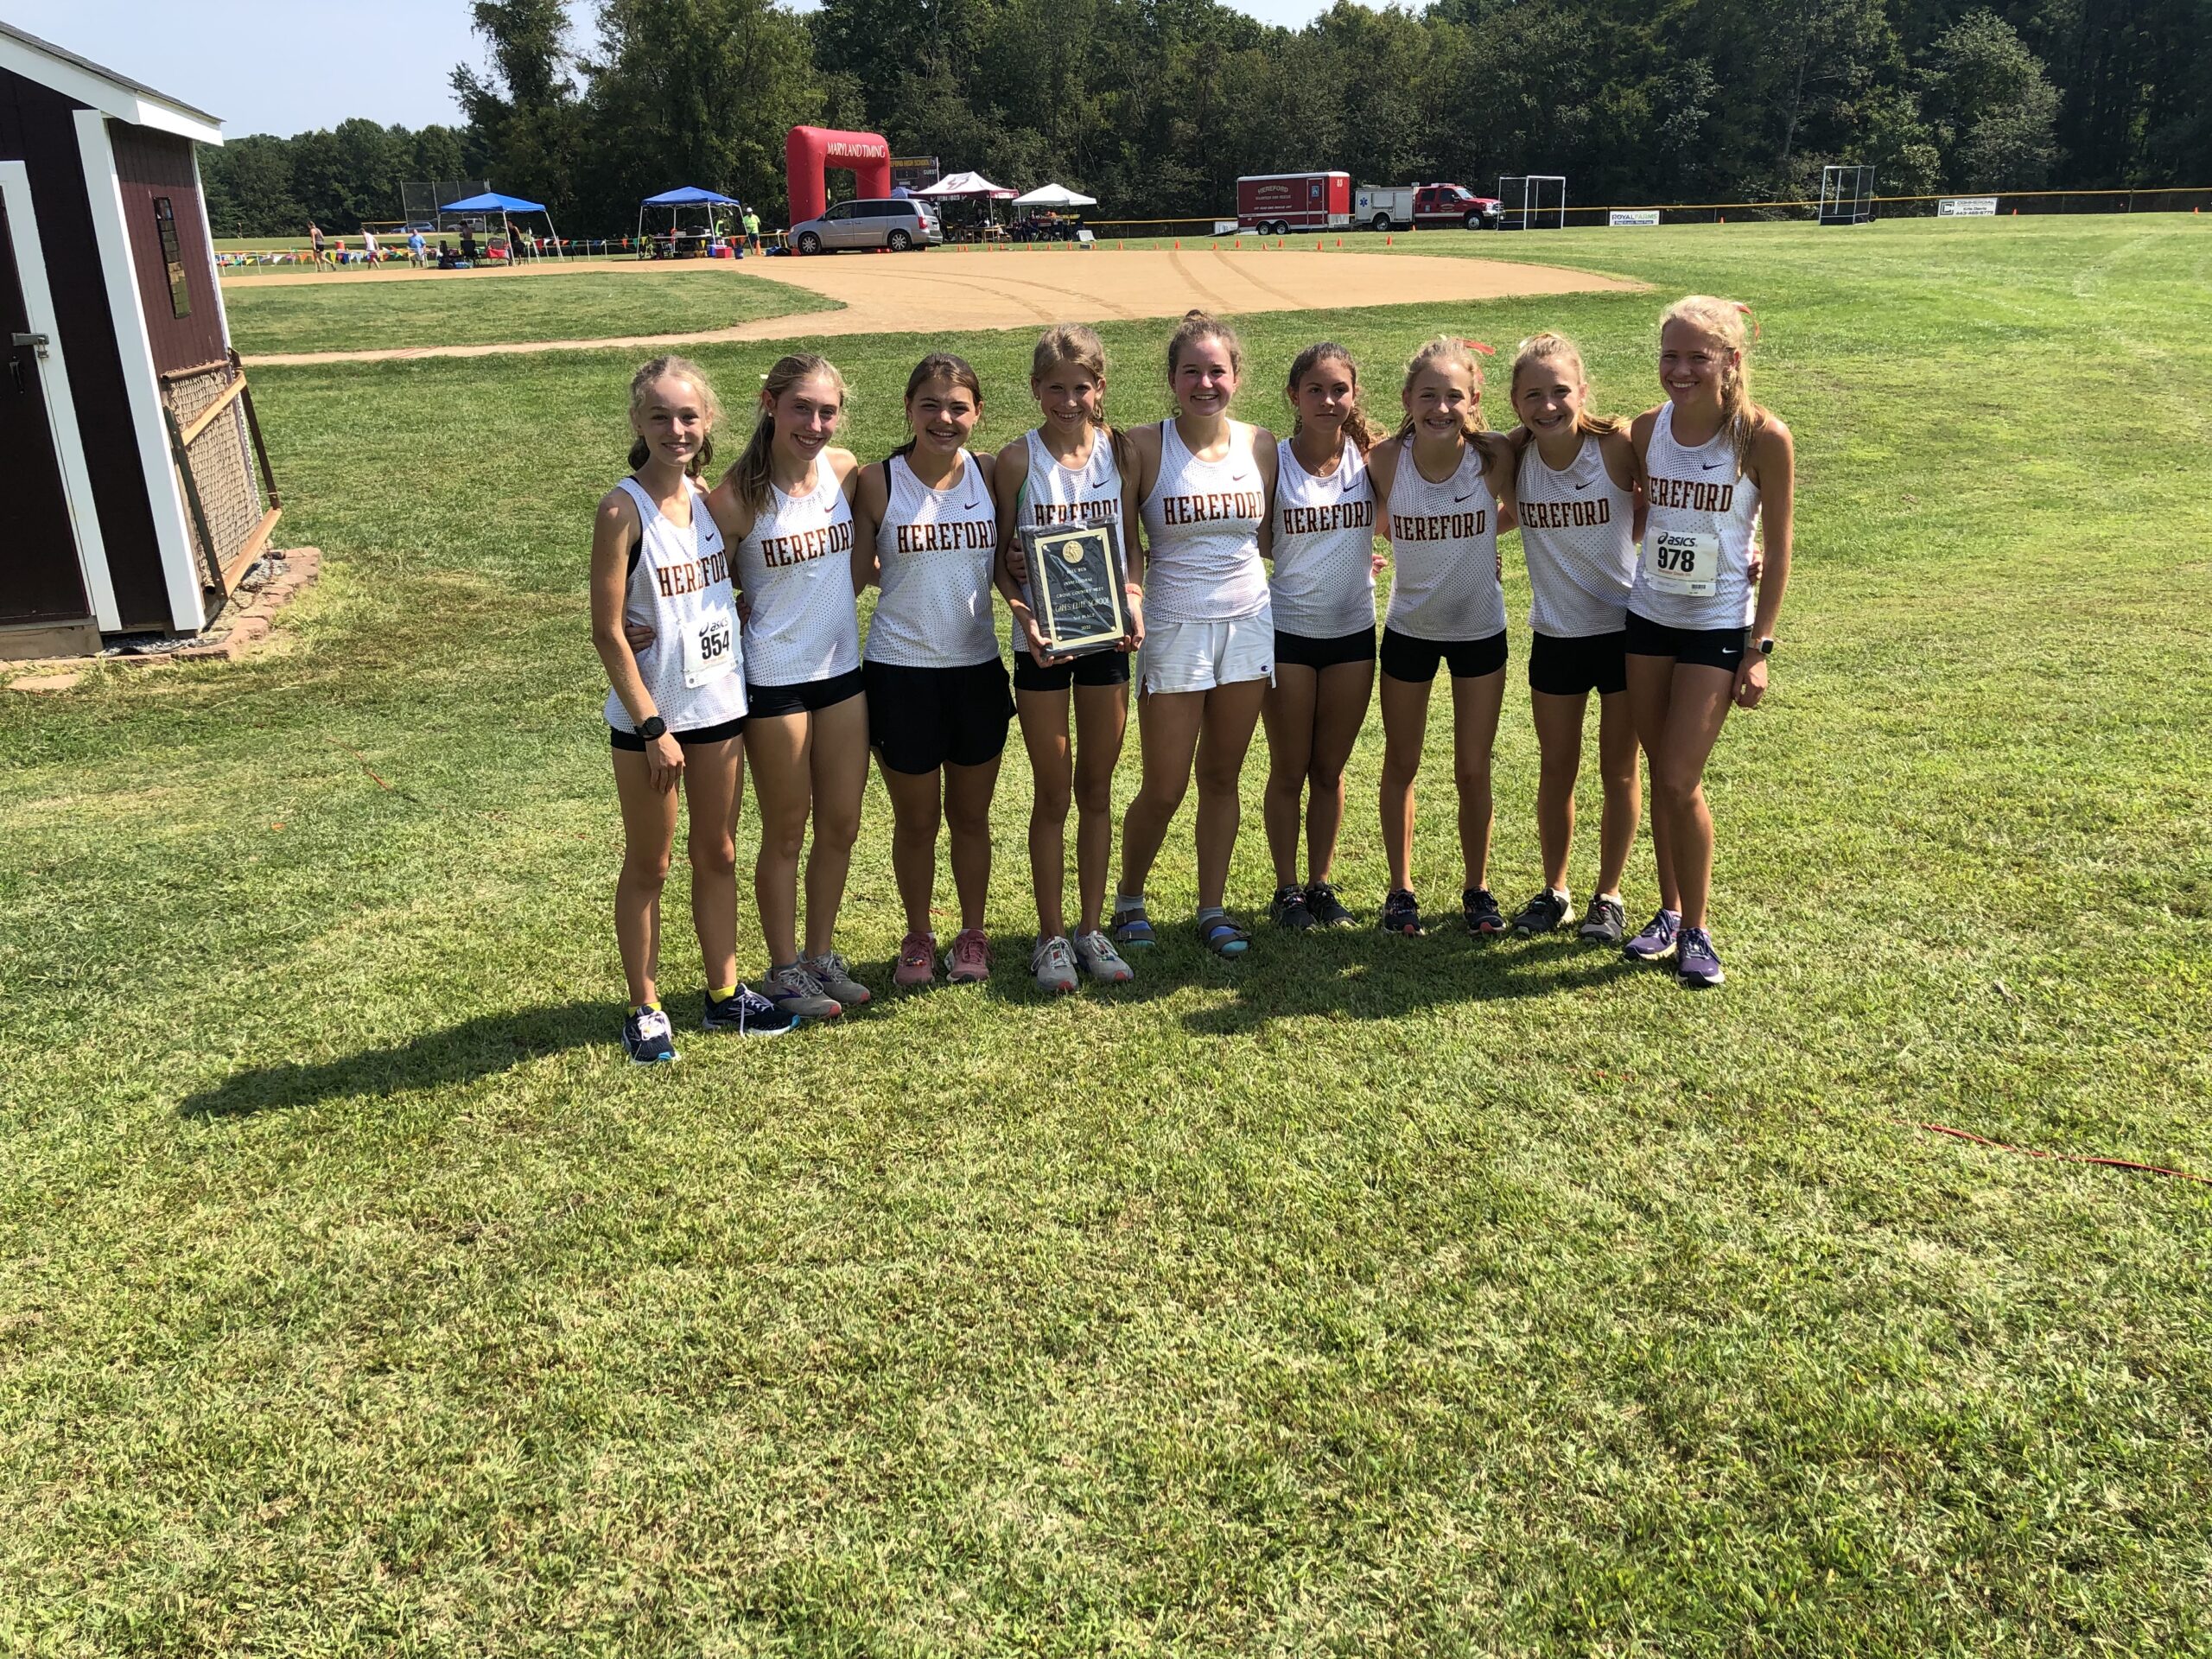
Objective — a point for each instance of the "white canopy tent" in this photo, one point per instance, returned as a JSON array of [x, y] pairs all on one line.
[[965, 184], [1055, 195]]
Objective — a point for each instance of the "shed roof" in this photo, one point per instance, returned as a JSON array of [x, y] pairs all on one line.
[[103, 89]]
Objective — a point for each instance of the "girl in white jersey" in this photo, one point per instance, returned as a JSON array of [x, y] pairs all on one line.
[[1200, 484], [1718, 469], [674, 709], [1322, 595], [927, 532], [1067, 471], [1446, 485], [1580, 506], [786, 508]]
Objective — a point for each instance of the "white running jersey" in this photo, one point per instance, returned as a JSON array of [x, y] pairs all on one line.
[[1324, 545], [1444, 584], [1695, 571], [1577, 532], [1053, 495], [1202, 533], [796, 565], [935, 549], [679, 587]]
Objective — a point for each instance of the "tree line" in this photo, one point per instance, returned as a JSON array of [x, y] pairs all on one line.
[[1156, 106]]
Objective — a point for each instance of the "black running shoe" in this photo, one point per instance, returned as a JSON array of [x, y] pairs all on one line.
[[745, 1010], [1484, 916], [1604, 922], [1288, 909], [645, 1037], [1402, 913], [1328, 910], [1540, 914]]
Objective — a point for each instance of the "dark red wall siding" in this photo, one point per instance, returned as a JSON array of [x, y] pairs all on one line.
[[37, 130], [151, 164]]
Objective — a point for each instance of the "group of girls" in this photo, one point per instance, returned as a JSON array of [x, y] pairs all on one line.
[[727, 620]]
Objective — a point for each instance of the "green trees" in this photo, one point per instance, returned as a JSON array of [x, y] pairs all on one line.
[[1156, 106]]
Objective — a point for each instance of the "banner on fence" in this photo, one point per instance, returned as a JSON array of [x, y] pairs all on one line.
[[1967, 207], [1633, 216]]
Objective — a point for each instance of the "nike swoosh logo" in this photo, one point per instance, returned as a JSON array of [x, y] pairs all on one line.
[[1580, 487], [1708, 466]]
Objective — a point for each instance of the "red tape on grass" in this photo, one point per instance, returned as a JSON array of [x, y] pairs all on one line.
[[2062, 1157]]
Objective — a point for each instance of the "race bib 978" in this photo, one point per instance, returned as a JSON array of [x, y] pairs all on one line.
[[1683, 562], [710, 648]]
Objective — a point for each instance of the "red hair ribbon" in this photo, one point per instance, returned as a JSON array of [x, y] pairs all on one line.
[[1746, 310], [1476, 345]]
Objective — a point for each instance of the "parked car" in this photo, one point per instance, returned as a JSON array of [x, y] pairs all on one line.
[[897, 225]]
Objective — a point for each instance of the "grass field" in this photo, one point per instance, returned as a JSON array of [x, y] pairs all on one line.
[[583, 305], [1369, 1297]]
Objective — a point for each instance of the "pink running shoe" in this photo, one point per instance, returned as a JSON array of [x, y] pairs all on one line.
[[970, 958], [917, 964]]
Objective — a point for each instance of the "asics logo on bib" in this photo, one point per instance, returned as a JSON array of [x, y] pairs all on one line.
[[1438, 526], [1075, 513], [1566, 515], [949, 532], [1693, 494], [1212, 509], [674, 579], [777, 551], [1314, 521]]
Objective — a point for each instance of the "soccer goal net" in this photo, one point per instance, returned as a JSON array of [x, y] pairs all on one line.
[[1532, 201], [1846, 195]]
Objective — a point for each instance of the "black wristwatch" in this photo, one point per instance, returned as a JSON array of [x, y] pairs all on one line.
[[1764, 647], [655, 728]]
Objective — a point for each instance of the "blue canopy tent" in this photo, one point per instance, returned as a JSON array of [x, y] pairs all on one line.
[[493, 202], [690, 195]]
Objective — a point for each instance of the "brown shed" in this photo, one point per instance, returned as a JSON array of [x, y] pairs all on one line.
[[135, 488]]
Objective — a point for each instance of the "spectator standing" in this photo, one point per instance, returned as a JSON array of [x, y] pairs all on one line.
[[314, 240], [418, 248], [752, 231], [370, 251]]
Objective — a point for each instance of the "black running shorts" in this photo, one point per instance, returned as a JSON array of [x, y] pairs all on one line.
[[1573, 668], [1405, 658], [920, 719], [1302, 651], [809, 697], [1093, 668], [1705, 647], [721, 734]]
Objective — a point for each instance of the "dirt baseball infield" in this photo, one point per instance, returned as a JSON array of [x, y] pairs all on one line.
[[957, 289]]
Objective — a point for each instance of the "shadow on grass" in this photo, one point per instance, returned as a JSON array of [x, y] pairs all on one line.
[[475, 1048]]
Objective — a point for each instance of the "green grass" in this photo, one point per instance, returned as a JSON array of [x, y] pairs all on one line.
[[586, 304], [1371, 1297]]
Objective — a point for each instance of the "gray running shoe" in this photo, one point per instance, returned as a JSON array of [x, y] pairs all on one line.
[[1542, 914], [1656, 941], [837, 978], [1604, 922], [795, 991], [1695, 961], [1101, 960], [1053, 965]]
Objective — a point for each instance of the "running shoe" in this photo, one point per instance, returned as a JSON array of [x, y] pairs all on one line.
[[917, 964], [1484, 916], [1101, 960], [1328, 909], [1605, 923], [1656, 941], [796, 991], [1695, 962], [835, 975], [747, 1012], [1053, 965], [969, 961], [645, 1037], [1402, 913], [1542, 913], [1289, 909]]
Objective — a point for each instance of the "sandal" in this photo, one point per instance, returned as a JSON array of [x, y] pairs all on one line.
[[1223, 937], [1132, 928]]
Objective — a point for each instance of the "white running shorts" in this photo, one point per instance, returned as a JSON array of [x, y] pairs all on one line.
[[1200, 655]]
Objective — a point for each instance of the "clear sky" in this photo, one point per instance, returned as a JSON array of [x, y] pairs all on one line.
[[287, 65]]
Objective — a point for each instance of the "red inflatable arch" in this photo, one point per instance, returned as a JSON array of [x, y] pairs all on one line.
[[810, 152]]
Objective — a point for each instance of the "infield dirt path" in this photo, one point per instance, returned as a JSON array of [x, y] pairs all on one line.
[[953, 290]]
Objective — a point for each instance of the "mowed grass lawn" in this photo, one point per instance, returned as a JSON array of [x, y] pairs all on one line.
[[1371, 1296], [460, 308]]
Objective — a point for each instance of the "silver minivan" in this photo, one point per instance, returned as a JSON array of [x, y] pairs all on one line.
[[897, 225]]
